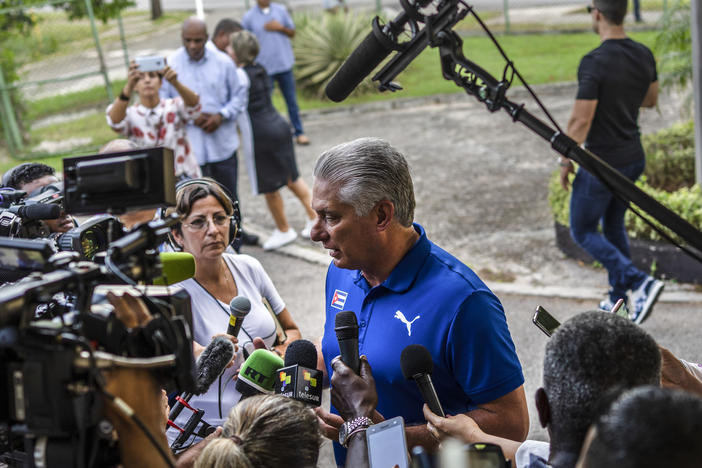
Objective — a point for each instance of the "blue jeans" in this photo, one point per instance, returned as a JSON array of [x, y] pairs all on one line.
[[286, 81], [591, 203]]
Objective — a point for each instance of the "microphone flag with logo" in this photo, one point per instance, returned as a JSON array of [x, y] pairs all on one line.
[[300, 379]]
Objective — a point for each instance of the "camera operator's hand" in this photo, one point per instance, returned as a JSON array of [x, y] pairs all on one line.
[[141, 391], [129, 309]]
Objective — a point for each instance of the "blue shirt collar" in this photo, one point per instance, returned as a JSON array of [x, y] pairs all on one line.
[[405, 272]]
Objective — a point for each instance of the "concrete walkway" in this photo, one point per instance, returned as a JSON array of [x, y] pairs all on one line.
[[480, 182]]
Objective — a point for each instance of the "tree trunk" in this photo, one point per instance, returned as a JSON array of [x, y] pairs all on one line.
[[156, 9]]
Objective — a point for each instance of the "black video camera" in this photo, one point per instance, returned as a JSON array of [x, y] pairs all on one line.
[[55, 337]]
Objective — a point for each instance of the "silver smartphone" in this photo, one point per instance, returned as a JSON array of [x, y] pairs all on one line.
[[545, 321], [150, 63], [387, 446]]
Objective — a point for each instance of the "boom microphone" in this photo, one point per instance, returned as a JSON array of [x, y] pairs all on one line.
[[346, 328], [36, 211], [257, 374], [239, 307], [375, 47], [209, 366], [300, 379], [368, 55], [417, 365]]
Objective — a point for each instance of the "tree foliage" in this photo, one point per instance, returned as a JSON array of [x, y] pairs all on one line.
[[673, 45], [322, 44]]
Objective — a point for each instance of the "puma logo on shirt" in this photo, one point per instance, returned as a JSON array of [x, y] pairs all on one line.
[[401, 317]]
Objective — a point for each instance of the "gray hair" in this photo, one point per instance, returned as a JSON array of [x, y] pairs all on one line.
[[366, 171], [245, 47], [265, 431], [589, 356]]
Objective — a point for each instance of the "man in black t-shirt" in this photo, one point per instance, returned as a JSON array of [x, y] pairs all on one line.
[[614, 81]]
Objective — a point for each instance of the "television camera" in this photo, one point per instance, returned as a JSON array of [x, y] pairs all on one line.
[[56, 330]]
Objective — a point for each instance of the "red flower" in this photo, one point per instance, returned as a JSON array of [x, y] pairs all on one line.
[[162, 133], [151, 136], [181, 141], [180, 159], [170, 118], [136, 131]]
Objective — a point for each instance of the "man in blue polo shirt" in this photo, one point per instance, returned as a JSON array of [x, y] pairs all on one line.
[[406, 290], [273, 27]]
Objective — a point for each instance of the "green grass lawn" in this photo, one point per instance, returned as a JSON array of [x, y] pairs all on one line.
[[548, 58]]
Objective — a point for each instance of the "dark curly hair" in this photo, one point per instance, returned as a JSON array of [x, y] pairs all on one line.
[[20, 175], [589, 355]]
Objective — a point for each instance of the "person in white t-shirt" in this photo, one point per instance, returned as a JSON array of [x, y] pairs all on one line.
[[204, 231]]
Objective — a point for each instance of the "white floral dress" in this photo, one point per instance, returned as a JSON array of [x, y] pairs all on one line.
[[163, 125]]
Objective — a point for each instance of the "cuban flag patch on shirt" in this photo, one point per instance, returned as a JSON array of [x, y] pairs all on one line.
[[339, 299]]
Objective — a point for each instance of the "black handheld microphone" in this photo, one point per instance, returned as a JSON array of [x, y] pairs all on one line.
[[209, 366], [239, 307], [300, 379], [36, 211], [346, 328], [417, 365]]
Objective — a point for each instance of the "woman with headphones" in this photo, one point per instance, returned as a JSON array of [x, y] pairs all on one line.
[[209, 223]]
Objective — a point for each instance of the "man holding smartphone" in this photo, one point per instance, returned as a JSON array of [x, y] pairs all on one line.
[[614, 81]]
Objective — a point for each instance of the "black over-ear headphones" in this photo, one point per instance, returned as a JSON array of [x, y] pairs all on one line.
[[234, 229]]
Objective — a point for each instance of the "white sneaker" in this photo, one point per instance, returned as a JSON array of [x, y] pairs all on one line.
[[279, 239], [644, 298], [307, 231]]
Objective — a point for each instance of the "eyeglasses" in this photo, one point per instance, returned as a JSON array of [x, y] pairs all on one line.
[[200, 223], [589, 8]]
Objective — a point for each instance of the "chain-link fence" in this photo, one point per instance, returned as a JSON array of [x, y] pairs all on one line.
[[56, 66]]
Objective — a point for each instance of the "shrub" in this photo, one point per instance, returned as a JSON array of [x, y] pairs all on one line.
[[668, 178], [321, 45], [670, 157]]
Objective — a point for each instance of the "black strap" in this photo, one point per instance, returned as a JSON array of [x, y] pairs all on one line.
[[222, 307]]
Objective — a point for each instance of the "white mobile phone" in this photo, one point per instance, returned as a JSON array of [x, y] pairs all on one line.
[[387, 446], [150, 63]]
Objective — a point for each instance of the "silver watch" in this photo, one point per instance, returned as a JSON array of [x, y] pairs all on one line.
[[350, 427]]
